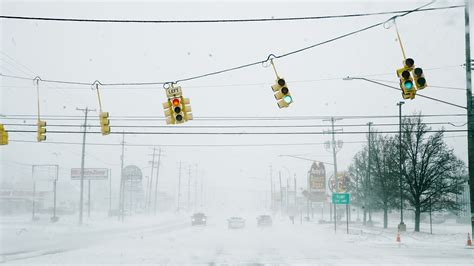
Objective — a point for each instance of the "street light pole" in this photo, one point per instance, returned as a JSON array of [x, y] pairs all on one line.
[[401, 226]]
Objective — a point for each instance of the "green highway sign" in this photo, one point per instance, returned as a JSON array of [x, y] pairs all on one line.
[[340, 198]]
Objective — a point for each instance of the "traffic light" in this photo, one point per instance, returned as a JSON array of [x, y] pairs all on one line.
[[406, 80], [104, 123], [420, 80], [282, 94], [187, 109], [167, 109], [177, 110], [3, 135], [41, 132]]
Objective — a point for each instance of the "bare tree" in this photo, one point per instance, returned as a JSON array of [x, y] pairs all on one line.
[[432, 173], [385, 172]]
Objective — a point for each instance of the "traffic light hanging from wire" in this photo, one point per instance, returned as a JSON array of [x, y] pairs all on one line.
[[282, 93], [177, 109], [411, 79], [3, 135], [41, 131], [104, 123]]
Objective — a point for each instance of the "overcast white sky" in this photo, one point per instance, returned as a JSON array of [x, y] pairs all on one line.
[[113, 53]]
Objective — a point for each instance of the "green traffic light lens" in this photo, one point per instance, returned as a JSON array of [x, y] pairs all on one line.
[[408, 84], [288, 99], [421, 81]]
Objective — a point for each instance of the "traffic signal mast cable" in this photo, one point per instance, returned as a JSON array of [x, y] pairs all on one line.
[[270, 57], [395, 88]]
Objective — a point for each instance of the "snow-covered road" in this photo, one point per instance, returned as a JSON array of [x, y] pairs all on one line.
[[306, 243]]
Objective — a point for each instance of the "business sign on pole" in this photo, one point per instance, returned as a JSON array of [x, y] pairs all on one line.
[[316, 183], [317, 177], [342, 180], [132, 172], [90, 173]]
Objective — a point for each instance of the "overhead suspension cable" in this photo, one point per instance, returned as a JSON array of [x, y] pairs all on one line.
[[270, 57], [223, 20]]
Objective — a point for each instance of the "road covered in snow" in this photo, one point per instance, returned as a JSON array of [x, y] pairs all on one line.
[[173, 240]]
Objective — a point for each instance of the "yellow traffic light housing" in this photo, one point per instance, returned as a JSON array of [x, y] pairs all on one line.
[[3, 135], [104, 123], [420, 81], [187, 109], [282, 93], [177, 108], [41, 132], [406, 79]]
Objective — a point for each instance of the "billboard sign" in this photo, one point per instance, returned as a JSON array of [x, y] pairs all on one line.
[[90, 173], [317, 177], [132, 172]]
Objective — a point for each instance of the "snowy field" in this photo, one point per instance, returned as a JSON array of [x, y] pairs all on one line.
[[170, 239]]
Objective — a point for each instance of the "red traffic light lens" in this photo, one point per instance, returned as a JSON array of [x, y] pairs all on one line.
[[175, 102]]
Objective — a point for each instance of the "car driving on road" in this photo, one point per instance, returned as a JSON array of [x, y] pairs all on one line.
[[236, 222], [264, 220], [198, 218]]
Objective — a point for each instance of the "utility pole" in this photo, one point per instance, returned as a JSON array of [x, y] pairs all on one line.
[[156, 180], [195, 188], [333, 145], [401, 227], [470, 114], [122, 185], [179, 185], [54, 218], [189, 188], [81, 198], [271, 187], [110, 190], [151, 180], [202, 189], [281, 194], [368, 183]]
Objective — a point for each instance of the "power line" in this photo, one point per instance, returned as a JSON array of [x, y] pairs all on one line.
[[115, 126], [270, 57], [225, 20], [228, 133], [340, 77], [221, 118], [398, 89], [200, 145]]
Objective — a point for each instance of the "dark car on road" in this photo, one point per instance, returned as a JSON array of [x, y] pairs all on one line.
[[264, 220], [198, 218]]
